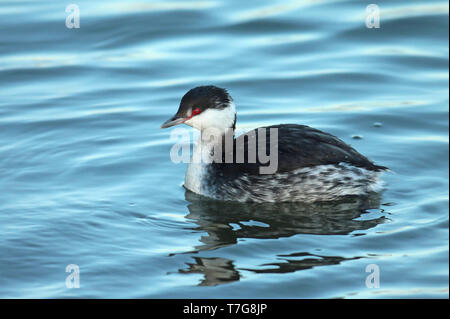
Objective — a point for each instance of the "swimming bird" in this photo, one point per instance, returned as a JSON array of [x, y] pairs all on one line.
[[304, 163]]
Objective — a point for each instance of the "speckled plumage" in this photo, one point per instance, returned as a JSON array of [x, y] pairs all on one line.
[[307, 184]]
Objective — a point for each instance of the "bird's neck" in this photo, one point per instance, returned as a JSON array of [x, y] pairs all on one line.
[[208, 149], [211, 145]]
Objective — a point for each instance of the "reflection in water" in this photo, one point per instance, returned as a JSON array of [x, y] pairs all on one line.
[[227, 222], [216, 270], [291, 265]]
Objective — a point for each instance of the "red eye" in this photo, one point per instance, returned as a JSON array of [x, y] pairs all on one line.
[[196, 111]]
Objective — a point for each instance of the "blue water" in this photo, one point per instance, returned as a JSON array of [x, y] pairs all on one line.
[[85, 172]]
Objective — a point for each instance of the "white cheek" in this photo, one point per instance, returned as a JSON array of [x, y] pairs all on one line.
[[203, 120], [213, 118]]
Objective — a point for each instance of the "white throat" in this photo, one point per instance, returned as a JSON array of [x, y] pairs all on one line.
[[198, 165], [214, 124]]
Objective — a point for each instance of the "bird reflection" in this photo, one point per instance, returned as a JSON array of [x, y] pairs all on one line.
[[227, 222], [215, 270]]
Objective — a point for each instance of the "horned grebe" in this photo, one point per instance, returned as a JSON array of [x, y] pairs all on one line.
[[311, 165]]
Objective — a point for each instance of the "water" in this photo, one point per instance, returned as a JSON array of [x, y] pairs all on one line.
[[86, 177]]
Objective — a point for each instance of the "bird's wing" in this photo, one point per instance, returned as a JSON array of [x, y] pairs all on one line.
[[298, 146]]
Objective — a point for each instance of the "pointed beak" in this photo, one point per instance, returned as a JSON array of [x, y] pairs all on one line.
[[173, 121]]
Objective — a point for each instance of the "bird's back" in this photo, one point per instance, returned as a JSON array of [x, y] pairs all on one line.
[[298, 146]]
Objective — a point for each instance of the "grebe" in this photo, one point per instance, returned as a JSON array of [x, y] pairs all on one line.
[[311, 165]]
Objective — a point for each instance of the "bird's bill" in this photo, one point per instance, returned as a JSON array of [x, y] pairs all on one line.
[[173, 121]]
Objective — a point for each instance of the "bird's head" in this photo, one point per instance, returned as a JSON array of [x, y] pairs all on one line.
[[205, 107]]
